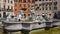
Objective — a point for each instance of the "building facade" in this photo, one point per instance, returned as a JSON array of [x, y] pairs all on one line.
[[57, 11], [8, 7], [58, 5], [45, 6], [37, 7], [23, 7], [29, 7], [1, 8]]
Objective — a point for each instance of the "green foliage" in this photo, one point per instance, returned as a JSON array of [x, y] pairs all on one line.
[[51, 31]]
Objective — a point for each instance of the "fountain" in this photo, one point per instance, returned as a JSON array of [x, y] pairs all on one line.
[[13, 24]]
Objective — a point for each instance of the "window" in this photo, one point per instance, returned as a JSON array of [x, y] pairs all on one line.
[[24, 0], [0, 9], [55, 3], [11, 2], [33, 1], [50, 4], [43, 4], [0, 15], [37, 8], [46, 8], [24, 9], [4, 7], [8, 7], [39, 0], [49, 0], [20, 0], [15, 9], [32, 5], [28, 14], [28, 5], [42, 8], [12, 7], [46, 0], [0, 5], [36, 0], [24, 5], [39, 4], [20, 5], [28, 0], [8, 1], [55, 8], [42, 0], [15, 0], [47, 4], [49, 8], [4, 0], [35, 4]]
